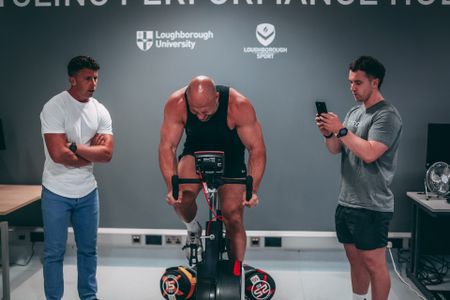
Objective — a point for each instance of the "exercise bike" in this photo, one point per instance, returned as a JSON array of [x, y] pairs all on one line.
[[215, 277]]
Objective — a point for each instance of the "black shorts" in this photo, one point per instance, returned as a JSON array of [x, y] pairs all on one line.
[[234, 167], [366, 229]]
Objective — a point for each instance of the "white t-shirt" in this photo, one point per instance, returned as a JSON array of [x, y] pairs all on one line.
[[80, 122]]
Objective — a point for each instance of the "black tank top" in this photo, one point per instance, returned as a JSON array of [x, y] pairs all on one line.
[[215, 135]]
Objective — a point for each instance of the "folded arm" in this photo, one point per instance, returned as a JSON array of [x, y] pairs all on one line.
[[100, 149], [60, 153]]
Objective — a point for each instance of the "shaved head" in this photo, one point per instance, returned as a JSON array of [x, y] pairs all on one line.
[[203, 97], [201, 91]]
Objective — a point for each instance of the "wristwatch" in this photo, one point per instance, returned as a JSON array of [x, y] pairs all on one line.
[[342, 132], [73, 147], [328, 136]]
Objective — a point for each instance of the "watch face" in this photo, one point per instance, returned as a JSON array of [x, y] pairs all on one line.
[[73, 147], [342, 132]]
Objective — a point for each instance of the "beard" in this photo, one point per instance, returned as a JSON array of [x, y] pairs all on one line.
[[362, 98]]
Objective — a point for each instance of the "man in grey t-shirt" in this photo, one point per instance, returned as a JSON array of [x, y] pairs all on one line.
[[368, 141]]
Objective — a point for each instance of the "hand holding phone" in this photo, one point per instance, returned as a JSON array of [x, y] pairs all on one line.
[[321, 107]]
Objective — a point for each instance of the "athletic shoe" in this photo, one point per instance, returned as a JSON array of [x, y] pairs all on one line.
[[193, 248]]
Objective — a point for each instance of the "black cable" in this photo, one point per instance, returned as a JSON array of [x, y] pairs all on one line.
[[29, 258], [432, 269], [27, 261]]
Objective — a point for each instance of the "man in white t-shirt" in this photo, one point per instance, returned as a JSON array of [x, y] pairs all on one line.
[[77, 132]]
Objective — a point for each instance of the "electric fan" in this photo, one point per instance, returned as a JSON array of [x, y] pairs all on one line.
[[437, 179]]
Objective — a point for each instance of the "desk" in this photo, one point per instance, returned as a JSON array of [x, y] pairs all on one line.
[[12, 198], [429, 234]]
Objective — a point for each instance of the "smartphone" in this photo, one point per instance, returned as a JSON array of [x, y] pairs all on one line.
[[321, 107]]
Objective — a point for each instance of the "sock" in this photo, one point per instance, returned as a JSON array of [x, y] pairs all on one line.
[[360, 297], [192, 226]]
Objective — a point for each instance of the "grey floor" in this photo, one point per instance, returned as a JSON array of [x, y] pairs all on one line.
[[134, 273]]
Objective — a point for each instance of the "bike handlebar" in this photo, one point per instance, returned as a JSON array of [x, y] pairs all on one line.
[[248, 181]]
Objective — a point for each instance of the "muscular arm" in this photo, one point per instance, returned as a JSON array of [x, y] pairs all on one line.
[[170, 135], [100, 149], [60, 153], [250, 133], [369, 151]]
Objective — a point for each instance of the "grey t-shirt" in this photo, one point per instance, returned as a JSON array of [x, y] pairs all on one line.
[[366, 185]]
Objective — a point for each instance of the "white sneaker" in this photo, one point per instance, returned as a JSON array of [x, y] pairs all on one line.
[[194, 248]]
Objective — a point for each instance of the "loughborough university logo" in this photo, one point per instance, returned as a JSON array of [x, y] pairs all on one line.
[[144, 39], [265, 35], [178, 39]]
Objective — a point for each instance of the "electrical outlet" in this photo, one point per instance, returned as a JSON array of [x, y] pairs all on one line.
[[255, 241], [173, 240], [135, 239]]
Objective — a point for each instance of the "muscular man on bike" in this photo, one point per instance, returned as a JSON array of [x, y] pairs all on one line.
[[219, 118]]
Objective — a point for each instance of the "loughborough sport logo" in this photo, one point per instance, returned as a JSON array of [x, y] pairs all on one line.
[[265, 34]]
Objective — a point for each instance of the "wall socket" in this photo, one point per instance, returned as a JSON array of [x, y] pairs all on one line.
[[135, 239], [173, 239], [255, 241]]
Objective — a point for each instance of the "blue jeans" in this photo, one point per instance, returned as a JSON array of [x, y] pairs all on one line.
[[83, 213]]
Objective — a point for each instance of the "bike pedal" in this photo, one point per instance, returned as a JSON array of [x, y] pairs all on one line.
[[237, 268]]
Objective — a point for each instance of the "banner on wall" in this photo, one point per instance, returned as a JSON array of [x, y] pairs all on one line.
[[67, 3], [265, 34]]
